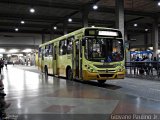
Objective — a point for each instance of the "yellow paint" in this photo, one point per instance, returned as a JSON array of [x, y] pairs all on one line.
[[62, 61], [95, 76]]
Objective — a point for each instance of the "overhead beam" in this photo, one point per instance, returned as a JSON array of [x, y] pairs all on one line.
[[127, 12], [30, 31], [37, 18], [58, 31], [50, 20], [66, 17], [133, 20], [7, 46], [75, 7], [42, 4], [32, 25], [47, 19]]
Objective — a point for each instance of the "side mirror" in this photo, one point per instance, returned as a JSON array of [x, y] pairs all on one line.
[[83, 42]]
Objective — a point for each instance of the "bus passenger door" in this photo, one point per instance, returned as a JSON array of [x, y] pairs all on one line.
[[54, 60], [50, 61], [76, 59], [42, 60]]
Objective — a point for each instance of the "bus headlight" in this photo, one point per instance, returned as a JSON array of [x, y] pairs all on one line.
[[120, 70], [90, 68]]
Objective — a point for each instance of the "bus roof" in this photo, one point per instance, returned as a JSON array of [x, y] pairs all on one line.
[[74, 33]]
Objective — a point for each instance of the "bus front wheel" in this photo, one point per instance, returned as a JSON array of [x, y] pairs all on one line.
[[69, 74], [101, 81]]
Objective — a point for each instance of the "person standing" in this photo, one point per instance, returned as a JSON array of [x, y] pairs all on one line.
[[137, 59], [1, 65], [5, 63]]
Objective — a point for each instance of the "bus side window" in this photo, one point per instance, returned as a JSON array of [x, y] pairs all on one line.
[[63, 47], [69, 45], [50, 51], [46, 50], [39, 52]]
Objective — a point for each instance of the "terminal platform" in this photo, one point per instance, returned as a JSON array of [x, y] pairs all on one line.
[[36, 97]]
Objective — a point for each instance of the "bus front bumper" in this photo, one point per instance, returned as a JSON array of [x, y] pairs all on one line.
[[103, 76]]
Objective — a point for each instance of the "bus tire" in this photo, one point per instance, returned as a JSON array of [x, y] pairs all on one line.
[[46, 71], [101, 81], [69, 74]]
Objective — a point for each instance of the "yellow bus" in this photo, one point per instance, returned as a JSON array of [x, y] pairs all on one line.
[[85, 54]]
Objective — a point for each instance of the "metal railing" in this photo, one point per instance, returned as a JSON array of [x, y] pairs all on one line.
[[143, 70]]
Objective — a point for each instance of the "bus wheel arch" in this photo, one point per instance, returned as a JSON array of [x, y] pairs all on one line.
[[69, 73]]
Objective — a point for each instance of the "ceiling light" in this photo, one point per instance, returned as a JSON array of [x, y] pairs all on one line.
[[95, 7], [9, 55], [135, 25], [158, 3], [13, 51], [22, 22], [55, 28], [70, 20], [20, 55], [2, 50], [146, 30], [32, 10], [27, 50], [151, 48], [16, 29], [92, 26]]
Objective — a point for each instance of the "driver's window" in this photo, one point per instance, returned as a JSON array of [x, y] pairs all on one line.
[[96, 50]]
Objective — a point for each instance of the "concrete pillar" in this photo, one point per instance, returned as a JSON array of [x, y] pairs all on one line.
[[120, 15], [65, 23], [146, 40], [43, 38], [125, 35], [85, 13], [51, 33], [155, 37]]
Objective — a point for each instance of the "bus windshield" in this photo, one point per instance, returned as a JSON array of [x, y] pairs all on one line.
[[104, 49]]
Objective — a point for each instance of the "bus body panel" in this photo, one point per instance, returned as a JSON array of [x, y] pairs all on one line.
[[81, 67], [64, 61], [48, 62]]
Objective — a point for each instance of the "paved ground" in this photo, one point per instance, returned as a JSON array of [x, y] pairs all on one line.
[[147, 89], [35, 97], [142, 88], [28, 68]]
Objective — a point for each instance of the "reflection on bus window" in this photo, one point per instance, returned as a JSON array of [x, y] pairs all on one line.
[[109, 50], [63, 47], [50, 50], [69, 45], [46, 50]]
